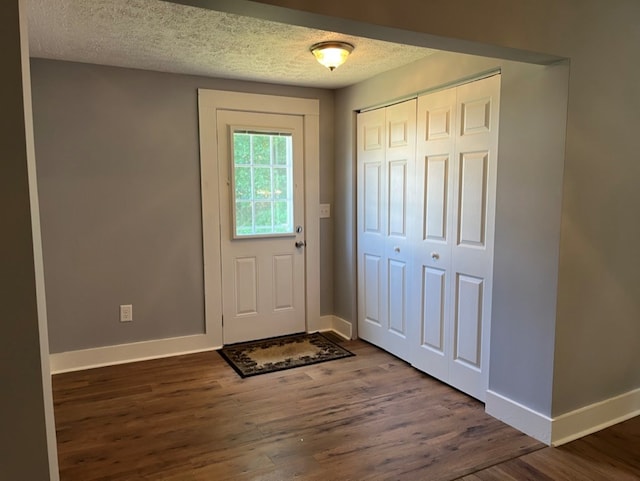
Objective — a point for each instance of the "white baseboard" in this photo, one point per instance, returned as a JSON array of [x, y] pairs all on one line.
[[141, 351], [338, 325], [519, 416], [123, 353], [589, 419], [566, 427]]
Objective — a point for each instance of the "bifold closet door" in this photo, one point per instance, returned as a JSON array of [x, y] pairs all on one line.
[[385, 200], [426, 212], [431, 312], [456, 165]]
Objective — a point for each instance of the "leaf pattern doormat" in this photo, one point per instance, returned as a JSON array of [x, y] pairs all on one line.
[[280, 353]]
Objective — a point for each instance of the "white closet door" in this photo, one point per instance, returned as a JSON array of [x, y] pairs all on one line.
[[386, 169], [474, 198], [426, 215], [456, 151], [431, 272]]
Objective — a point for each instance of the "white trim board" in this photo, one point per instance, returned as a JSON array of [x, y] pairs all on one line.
[[142, 351], [519, 416], [124, 353], [566, 427], [595, 417], [338, 325]]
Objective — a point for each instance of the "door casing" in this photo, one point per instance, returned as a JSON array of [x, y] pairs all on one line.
[[209, 102]]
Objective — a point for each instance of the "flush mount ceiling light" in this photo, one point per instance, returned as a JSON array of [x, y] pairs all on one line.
[[331, 54]]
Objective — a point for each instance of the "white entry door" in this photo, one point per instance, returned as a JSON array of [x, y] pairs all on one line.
[[261, 224], [386, 168], [453, 276]]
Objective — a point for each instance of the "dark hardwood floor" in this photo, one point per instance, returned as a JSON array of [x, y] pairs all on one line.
[[612, 454], [368, 417]]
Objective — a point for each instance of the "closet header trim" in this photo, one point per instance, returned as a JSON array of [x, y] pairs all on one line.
[[455, 83]]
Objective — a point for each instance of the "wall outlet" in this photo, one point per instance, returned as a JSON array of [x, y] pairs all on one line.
[[126, 313], [325, 211]]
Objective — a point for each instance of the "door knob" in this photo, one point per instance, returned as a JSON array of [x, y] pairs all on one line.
[[300, 244], [435, 256], [396, 249]]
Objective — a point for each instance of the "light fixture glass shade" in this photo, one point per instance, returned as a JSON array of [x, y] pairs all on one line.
[[331, 54]]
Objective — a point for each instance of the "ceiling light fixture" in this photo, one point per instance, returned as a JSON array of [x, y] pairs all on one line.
[[331, 54]]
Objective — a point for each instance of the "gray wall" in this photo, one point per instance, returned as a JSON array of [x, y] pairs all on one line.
[[533, 106], [597, 348], [119, 182], [26, 393], [530, 163]]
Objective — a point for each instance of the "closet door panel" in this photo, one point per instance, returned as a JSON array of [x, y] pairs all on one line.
[[472, 207], [433, 239], [398, 190], [385, 177], [397, 297], [400, 164], [436, 168], [430, 352], [371, 224], [476, 148], [372, 197], [468, 321], [372, 289]]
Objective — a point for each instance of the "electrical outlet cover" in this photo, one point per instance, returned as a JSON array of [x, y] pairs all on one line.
[[126, 313], [325, 211]]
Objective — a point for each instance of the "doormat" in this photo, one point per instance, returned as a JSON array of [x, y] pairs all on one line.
[[280, 353]]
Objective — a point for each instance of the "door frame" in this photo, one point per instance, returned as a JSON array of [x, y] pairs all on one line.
[[209, 102]]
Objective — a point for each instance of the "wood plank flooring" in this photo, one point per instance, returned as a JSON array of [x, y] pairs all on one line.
[[612, 454], [368, 417]]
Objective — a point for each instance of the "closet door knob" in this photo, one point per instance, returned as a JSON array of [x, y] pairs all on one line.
[[396, 249], [435, 256]]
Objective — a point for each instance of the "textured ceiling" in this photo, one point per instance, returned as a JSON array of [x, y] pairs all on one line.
[[168, 37]]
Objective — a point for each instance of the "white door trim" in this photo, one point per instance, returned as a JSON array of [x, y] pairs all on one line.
[[209, 101]]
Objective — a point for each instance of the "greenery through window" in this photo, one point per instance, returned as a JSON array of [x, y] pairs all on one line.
[[262, 183]]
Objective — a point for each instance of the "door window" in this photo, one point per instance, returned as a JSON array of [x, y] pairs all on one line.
[[262, 177]]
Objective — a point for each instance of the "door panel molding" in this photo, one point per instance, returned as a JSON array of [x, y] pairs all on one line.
[[245, 286], [209, 102]]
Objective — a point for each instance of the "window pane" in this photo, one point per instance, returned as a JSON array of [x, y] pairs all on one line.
[[264, 217], [261, 149], [244, 218], [243, 183], [282, 216], [262, 183], [280, 148], [280, 185], [241, 148]]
